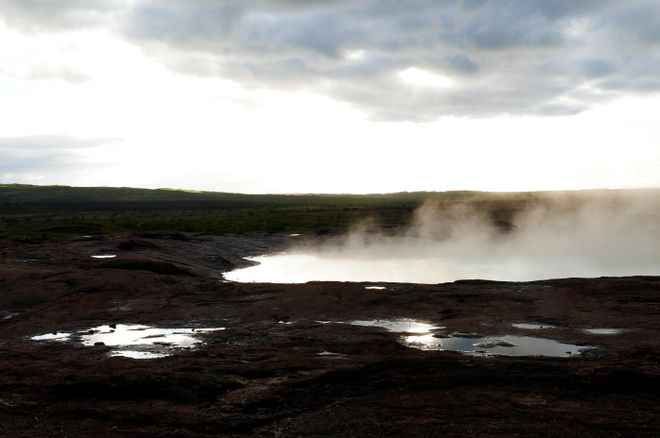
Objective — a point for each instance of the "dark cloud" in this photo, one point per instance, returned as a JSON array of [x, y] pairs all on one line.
[[517, 56], [39, 15]]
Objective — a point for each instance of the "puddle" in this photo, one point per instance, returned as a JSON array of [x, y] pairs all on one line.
[[331, 355], [398, 325], [294, 235], [9, 315], [422, 335], [134, 354], [104, 256], [532, 326], [603, 331], [140, 335], [375, 287], [52, 337], [133, 340], [507, 345]]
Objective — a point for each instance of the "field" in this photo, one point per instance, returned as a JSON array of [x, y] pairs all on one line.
[[288, 361], [44, 212]]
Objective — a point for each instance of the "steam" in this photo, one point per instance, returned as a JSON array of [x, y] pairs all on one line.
[[505, 237], [550, 236]]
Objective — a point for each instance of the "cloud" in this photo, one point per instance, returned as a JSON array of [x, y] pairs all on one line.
[[32, 155], [55, 72], [41, 15], [543, 57]]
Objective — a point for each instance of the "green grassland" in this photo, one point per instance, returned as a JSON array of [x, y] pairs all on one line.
[[61, 211]]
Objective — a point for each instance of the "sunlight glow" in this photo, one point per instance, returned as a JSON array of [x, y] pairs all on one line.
[[167, 129], [423, 78]]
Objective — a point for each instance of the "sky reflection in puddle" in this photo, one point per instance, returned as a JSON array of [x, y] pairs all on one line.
[[603, 331], [133, 340], [398, 325], [135, 354], [419, 334], [52, 337], [507, 345], [532, 326], [104, 256]]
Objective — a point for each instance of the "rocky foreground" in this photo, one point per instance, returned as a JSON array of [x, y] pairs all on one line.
[[284, 365]]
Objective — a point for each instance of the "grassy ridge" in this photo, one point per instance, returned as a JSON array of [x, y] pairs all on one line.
[[52, 211], [58, 197], [55, 211]]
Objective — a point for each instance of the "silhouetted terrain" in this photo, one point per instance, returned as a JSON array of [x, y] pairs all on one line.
[[51, 211], [287, 362]]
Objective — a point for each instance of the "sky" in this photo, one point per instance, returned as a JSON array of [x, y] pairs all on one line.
[[331, 96]]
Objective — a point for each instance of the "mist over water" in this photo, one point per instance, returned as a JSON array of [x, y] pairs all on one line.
[[557, 236]]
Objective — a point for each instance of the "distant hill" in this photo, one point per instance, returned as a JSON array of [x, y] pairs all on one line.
[[53, 211], [63, 196]]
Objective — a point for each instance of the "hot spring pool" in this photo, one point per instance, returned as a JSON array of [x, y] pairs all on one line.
[[301, 267]]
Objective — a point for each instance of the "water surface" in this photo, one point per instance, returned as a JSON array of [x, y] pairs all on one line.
[[134, 341], [426, 336], [423, 266], [506, 345], [603, 331], [532, 326]]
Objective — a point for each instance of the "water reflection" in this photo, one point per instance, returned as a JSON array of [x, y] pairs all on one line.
[[393, 261], [603, 331], [398, 325], [532, 326], [507, 345], [126, 335], [52, 337], [134, 354], [104, 256], [133, 340], [426, 336]]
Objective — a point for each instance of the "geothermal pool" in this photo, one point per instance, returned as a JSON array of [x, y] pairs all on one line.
[[301, 267]]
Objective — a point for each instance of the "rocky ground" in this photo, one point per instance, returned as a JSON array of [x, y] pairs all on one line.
[[280, 369]]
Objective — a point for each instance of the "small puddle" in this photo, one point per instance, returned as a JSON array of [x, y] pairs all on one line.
[[425, 336], [141, 335], [133, 340], [375, 287], [532, 326], [398, 325], [104, 256], [58, 336], [603, 331], [507, 345], [331, 355], [8, 315], [134, 354]]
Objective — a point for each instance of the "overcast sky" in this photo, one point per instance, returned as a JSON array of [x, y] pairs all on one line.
[[331, 95]]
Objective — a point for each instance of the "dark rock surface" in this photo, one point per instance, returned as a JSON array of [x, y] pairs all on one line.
[[260, 377]]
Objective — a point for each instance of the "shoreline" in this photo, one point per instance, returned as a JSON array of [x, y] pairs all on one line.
[[270, 371]]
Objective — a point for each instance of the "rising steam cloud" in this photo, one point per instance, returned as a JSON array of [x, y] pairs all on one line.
[[514, 238], [554, 236]]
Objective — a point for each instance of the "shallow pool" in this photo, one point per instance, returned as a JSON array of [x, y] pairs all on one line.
[[427, 336], [134, 341], [428, 267]]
